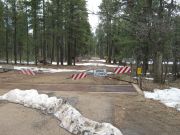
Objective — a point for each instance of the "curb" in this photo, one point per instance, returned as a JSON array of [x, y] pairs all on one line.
[[136, 87]]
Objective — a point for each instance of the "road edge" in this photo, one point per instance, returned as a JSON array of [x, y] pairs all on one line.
[[136, 87]]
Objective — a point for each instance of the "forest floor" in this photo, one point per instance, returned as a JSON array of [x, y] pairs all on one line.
[[127, 110]]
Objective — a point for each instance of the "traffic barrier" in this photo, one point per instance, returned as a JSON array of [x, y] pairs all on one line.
[[27, 72], [79, 76], [122, 70], [100, 72]]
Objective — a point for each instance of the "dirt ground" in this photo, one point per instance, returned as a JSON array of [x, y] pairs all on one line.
[[20, 120], [55, 78], [131, 113]]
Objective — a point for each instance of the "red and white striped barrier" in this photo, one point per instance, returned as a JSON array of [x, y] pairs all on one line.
[[27, 72], [122, 70], [79, 76]]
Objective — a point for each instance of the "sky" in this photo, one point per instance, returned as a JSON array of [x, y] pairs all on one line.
[[93, 6]]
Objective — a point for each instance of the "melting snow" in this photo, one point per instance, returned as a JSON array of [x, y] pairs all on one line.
[[91, 63], [47, 70], [169, 97], [70, 118], [151, 79], [96, 64], [12, 61], [100, 60]]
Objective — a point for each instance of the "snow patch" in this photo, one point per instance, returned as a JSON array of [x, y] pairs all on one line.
[[70, 118], [100, 63], [100, 60], [150, 79], [47, 70], [96, 64], [18, 62], [169, 97]]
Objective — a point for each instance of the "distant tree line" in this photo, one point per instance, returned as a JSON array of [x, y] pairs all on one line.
[[141, 29], [44, 30]]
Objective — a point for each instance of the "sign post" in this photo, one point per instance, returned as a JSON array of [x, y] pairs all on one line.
[[139, 73]]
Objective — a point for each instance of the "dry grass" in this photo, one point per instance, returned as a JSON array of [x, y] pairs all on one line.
[[150, 85]]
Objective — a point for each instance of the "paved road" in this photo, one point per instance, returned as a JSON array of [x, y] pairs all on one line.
[[71, 87]]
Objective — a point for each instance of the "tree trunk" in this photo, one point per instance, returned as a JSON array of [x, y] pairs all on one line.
[[69, 49], [145, 59], [158, 67], [7, 41], [62, 51], [20, 52], [164, 74], [70, 35], [15, 31], [109, 39], [74, 57], [44, 39], [57, 49], [7, 36], [35, 31], [27, 36], [53, 46], [175, 71], [101, 50], [158, 54]]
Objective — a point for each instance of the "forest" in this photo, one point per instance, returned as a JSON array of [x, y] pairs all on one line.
[[41, 30], [59, 30], [143, 30]]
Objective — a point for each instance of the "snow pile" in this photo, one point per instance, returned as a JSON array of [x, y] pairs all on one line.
[[50, 70], [150, 79], [18, 62], [69, 117], [169, 97], [98, 60], [96, 64], [47, 70], [99, 63], [31, 98]]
